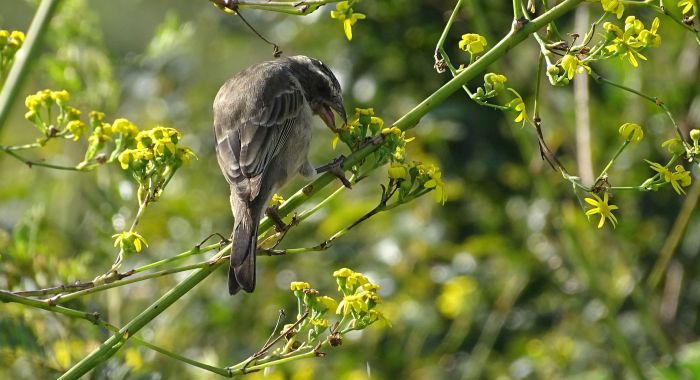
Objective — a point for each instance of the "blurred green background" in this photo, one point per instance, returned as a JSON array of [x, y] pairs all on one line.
[[507, 280]]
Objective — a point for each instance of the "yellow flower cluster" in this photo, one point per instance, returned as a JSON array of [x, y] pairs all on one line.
[[628, 43], [39, 111], [359, 298], [678, 179], [344, 13], [156, 143], [10, 43], [397, 138], [434, 182], [356, 309]]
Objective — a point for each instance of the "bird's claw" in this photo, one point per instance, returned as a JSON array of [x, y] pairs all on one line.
[[276, 219], [336, 168]]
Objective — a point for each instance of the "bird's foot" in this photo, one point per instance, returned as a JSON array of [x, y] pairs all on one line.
[[336, 168], [280, 225]]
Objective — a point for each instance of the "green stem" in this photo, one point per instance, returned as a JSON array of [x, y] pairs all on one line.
[[272, 363], [206, 367], [652, 99], [518, 10], [95, 319], [21, 147], [30, 164], [408, 121], [192, 252], [303, 215], [612, 160], [69, 297], [116, 341], [24, 56], [288, 7], [6, 296]]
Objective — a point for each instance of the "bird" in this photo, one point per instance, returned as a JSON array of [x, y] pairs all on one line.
[[263, 125]]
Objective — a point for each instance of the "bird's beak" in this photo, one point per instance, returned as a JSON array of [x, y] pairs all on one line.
[[326, 114]]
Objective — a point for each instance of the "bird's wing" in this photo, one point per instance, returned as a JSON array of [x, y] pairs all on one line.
[[246, 150]]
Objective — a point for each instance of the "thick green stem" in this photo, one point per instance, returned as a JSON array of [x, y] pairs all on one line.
[[24, 56], [115, 342], [409, 120]]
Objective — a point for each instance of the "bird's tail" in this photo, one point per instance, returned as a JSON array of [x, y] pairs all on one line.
[[241, 272]]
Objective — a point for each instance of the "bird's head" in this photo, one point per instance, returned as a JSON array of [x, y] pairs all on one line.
[[322, 89]]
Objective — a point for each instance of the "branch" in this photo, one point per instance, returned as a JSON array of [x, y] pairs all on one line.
[[11, 151], [408, 121], [303, 7]]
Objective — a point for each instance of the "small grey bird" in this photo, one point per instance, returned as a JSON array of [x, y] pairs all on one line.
[[262, 123]]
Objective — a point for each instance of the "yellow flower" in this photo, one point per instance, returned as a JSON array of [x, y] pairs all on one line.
[[17, 36], [601, 206], [364, 111], [377, 121], [343, 273], [144, 140], [322, 323], [77, 128], [355, 302], [494, 82], [435, 182], [674, 146], [631, 132], [347, 16], [633, 24], [679, 179], [125, 158], [613, 6], [398, 170], [688, 5], [129, 241], [299, 285], [72, 113], [372, 288], [327, 303], [165, 135], [161, 147], [125, 127], [61, 97], [572, 65], [473, 43], [662, 170], [613, 29], [628, 44], [185, 155], [649, 36], [276, 200], [518, 106], [356, 279], [33, 102]]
